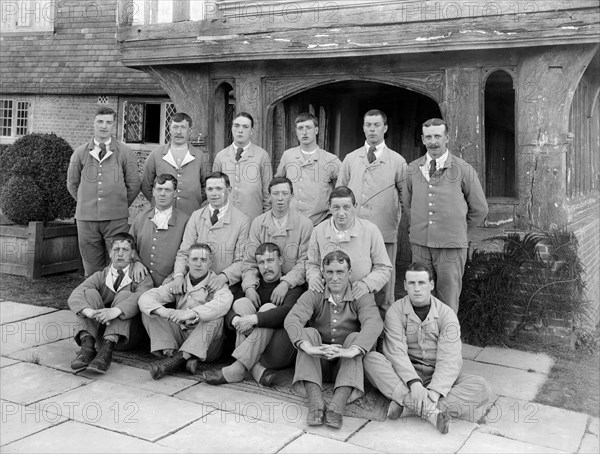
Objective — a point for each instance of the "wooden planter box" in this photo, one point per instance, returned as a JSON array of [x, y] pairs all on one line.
[[35, 251]]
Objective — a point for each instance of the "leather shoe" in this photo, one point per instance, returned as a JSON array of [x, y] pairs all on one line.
[[162, 367], [85, 355], [394, 410], [192, 365], [102, 361], [214, 377], [268, 378], [315, 417], [333, 419]]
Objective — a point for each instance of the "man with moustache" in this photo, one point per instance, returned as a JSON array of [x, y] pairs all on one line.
[[420, 367], [312, 170], [376, 175], [103, 177], [443, 199], [248, 167], [180, 159], [262, 345]]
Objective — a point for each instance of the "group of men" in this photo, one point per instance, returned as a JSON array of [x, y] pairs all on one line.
[[296, 267]]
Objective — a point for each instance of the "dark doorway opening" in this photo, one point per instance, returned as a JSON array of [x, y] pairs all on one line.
[[340, 108]]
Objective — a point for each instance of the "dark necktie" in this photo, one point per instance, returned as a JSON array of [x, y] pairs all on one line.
[[215, 216], [120, 276], [102, 151], [432, 168], [238, 155], [371, 154]]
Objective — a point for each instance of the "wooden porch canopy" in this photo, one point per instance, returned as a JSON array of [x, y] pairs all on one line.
[[238, 31]]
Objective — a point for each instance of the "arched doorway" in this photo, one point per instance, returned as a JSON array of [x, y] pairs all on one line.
[[224, 110], [340, 107]]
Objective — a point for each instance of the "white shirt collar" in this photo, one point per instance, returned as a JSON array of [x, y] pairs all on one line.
[[378, 149], [222, 210], [112, 277], [439, 162], [161, 218], [171, 159]]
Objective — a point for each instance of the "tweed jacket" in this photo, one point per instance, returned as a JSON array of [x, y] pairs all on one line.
[[158, 248], [207, 305], [313, 180], [103, 190], [190, 177], [377, 187], [293, 243], [227, 239], [422, 349], [335, 322], [365, 247], [249, 178], [442, 209], [125, 299]]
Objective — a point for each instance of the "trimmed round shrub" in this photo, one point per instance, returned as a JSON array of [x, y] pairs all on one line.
[[33, 179]]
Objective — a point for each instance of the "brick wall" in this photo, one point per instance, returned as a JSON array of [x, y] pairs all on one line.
[[585, 223]]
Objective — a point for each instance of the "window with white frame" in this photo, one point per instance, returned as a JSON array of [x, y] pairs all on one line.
[[14, 118], [147, 121], [24, 16]]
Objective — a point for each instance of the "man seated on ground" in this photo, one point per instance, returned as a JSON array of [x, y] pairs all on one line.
[[422, 357], [158, 231], [192, 331], [262, 344], [106, 305], [332, 330]]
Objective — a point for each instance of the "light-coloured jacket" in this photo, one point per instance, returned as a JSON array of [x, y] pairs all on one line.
[[249, 178], [428, 348], [190, 177], [377, 187], [209, 306], [103, 190], [313, 180], [442, 209], [227, 240], [365, 247]]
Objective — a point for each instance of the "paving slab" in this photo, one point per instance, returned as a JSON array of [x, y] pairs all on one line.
[[126, 409], [507, 381], [314, 443], [12, 312], [266, 409], [57, 355], [536, 423], [230, 432], [470, 351], [19, 422], [589, 445], [483, 443], [594, 425], [405, 434], [40, 330], [26, 383], [5, 361], [134, 376], [538, 362], [75, 437]]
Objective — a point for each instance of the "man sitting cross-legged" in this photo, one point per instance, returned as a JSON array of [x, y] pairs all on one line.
[[106, 304], [332, 331], [193, 330], [422, 357], [261, 344]]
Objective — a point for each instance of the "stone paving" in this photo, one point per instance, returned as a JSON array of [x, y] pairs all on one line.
[[48, 408]]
